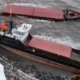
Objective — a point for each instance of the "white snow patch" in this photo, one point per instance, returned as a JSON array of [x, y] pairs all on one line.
[[26, 76], [2, 75]]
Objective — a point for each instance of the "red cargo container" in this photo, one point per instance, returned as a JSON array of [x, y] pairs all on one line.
[[43, 13], [19, 10], [51, 47], [48, 13]]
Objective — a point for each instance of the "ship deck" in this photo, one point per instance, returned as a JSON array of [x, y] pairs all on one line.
[[51, 47], [34, 12], [48, 13], [19, 10]]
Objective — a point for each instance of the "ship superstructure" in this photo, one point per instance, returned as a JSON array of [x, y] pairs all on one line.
[[20, 32]]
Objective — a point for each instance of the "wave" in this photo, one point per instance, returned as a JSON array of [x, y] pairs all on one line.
[[72, 3], [32, 19]]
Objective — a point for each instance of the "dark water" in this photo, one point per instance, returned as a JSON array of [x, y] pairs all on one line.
[[67, 33]]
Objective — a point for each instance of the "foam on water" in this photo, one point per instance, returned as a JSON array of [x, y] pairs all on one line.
[[38, 20], [64, 40], [72, 3]]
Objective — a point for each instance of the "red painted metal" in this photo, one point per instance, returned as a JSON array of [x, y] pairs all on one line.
[[48, 13], [51, 47], [34, 12], [76, 15], [21, 10], [43, 13]]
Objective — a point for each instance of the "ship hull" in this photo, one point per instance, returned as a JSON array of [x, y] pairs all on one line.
[[41, 13], [12, 42], [19, 49], [39, 59]]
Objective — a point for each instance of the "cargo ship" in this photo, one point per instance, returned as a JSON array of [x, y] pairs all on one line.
[[18, 40], [41, 13]]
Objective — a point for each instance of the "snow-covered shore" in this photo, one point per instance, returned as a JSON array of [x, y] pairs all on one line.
[[2, 74]]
